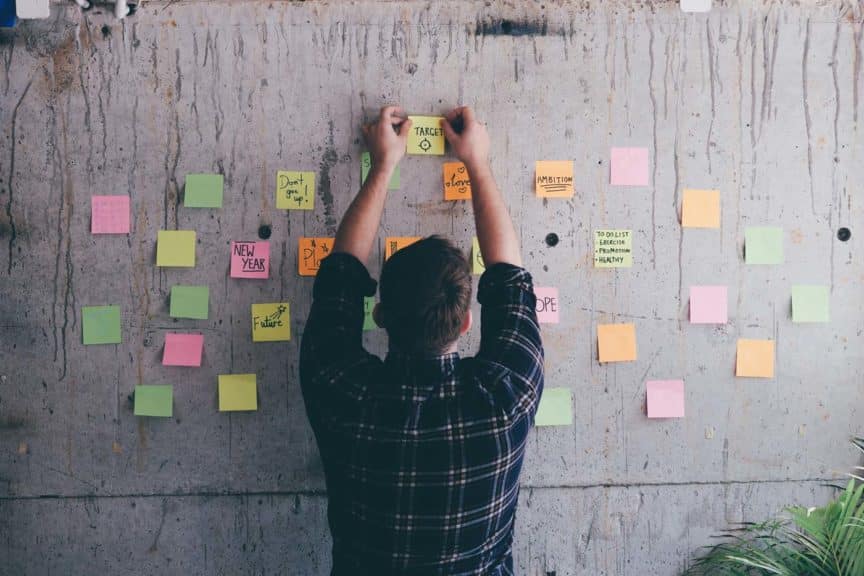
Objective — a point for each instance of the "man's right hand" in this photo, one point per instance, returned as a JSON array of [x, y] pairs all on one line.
[[471, 143], [387, 137]]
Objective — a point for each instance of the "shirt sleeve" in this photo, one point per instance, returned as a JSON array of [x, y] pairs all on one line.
[[333, 335], [509, 331]]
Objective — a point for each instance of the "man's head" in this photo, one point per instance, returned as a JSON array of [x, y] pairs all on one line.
[[425, 296]]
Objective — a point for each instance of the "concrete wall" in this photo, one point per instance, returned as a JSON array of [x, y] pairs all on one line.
[[761, 100]]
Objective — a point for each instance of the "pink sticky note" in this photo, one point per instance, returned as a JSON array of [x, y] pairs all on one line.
[[547, 305], [109, 215], [183, 349], [708, 305], [629, 167], [250, 259], [665, 398]]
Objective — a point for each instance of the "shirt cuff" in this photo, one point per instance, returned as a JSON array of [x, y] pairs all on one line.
[[499, 282], [343, 273]]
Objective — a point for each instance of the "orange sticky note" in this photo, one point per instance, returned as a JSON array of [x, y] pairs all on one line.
[[554, 178], [457, 186], [616, 342], [311, 252], [700, 209], [393, 245], [755, 359]]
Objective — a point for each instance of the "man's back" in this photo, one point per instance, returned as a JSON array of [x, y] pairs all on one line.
[[422, 455]]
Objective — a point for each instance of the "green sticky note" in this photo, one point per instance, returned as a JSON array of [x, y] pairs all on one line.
[[810, 304], [366, 166], [190, 302], [763, 245], [101, 324], [368, 320], [237, 392], [154, 401], [203, 191], [175, 248], [555, 408]]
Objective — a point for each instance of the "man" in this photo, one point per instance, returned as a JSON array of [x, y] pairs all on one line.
[[422, 452]]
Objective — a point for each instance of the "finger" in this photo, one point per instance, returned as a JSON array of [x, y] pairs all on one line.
[[455, 113], [405, 129], [468, 115], [449, 132], [387, 112]]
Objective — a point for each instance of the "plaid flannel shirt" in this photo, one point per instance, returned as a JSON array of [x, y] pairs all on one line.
[[421, 455]]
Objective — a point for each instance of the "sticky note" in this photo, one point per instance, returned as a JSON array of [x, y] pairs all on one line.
[[478, 266], [755, 359], [295, 190], [154, 400], [426, 136], [708, 305], [311, 252], [457, 185], [700, 209], [109, 215], [183, 349], [203, 191], [237, 392], [366, 167], [250, 259], [189, 302], [696, 5], [665, 398], [616, 342], [555, 408], [763, 245], [547, 304], [613, 248], [32, 9], [629, 167], [175, 248], [368, 319], [810, 303], [394, 244], [553, 178], [271, 322], [101, 324]]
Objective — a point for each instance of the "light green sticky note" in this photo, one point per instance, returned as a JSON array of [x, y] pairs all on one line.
[[555, 408], [101, 324], [613, 248], [763, 245], [175, 248], [811, 304], [478, 266], [237, 392], [154, 401], [190, 302], [203, 191], [368, 320], [366, 166]]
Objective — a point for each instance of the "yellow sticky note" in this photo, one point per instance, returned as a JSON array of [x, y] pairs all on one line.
[[457, 186], [616, 342], [271, 322], [700, 209], [237, 392], [175, 248], [311, 252], [426, 136], [393, 245], [295, 190], [755, 359], [554, 178], [478, 266]]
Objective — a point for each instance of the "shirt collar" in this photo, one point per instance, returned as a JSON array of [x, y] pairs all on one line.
[[421, 377]]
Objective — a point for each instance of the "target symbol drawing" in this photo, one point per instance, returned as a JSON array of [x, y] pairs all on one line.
[[425, 144]]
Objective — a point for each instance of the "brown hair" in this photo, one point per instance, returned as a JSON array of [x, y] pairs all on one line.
[[425, 295]]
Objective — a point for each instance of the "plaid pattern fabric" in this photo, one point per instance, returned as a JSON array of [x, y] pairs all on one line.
[[421, 455]]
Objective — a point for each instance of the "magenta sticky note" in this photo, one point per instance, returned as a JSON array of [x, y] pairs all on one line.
[[109, 215], [665, 398], [629, 167], [183, 349], [708, 305], [547, 305], [250, 259]]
